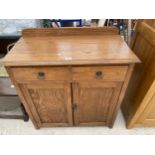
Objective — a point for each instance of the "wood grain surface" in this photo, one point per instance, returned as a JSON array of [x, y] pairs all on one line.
[[70, 49], [94, 102], [50, 102]]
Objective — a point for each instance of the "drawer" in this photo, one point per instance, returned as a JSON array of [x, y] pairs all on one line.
[[105, 73], [22, 74]]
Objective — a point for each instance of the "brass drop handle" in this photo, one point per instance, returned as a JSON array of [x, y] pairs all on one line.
[[41, 75], [99, 74]]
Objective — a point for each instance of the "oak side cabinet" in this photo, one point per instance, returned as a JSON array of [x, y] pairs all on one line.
[[71, 76], [138, 105]]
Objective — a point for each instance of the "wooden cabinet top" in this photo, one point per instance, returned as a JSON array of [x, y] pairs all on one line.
[[70, 46]]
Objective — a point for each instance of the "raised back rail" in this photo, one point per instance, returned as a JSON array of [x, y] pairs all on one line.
[[32, 32]]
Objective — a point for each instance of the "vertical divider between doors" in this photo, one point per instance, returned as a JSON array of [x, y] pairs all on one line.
[[72, 101], [74, 87]]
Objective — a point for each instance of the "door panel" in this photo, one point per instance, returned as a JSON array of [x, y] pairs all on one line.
[[51, 102], [148, 115], [95, 102]]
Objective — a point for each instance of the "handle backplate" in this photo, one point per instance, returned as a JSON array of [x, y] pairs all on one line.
[[99, 74], [41, 75]]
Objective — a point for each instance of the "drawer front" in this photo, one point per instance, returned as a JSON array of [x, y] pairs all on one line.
[[105, 73], [23, 74]]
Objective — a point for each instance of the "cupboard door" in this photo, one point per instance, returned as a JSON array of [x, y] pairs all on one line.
[[147, 116], [94, 103], [50, 102]]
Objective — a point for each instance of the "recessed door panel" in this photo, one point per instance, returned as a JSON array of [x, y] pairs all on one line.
[[51, 102], [95, 102]]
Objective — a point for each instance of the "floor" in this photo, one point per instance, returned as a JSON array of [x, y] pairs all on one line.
[[9, 126]]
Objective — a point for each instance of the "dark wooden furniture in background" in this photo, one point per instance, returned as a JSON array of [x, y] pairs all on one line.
[[4, 42], [71, 76], [139, 103]]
